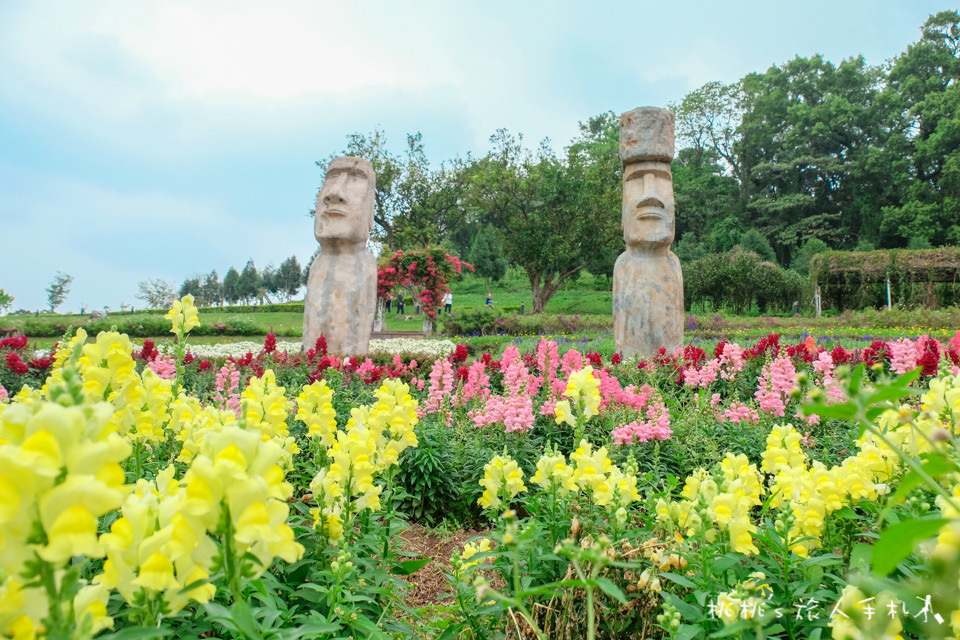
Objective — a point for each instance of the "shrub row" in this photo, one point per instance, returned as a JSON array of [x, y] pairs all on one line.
[[486, 321], [739, 279]]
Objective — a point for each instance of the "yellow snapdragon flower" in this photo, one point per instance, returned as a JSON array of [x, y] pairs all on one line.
[[183, 315]]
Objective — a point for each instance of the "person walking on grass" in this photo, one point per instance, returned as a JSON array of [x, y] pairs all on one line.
[[489, 299], [448, 301]]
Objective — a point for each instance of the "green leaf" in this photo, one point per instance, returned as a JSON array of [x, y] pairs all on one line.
[[611, 590], [687, 632], [683, 581], [860, 557], [686, 609], [735, 629], [844, 411], [897, 541], [409, 567], [452, 632], [138, 633]]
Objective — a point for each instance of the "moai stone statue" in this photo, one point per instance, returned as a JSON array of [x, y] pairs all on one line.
[[647, 281], [342, 286]]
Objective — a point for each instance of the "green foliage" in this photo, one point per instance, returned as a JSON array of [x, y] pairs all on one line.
[[810, 248], [58, 290], [428, 476], [738, 280], [6, 300], [231, 286], [551, 214], [755, 241], [486, 256]]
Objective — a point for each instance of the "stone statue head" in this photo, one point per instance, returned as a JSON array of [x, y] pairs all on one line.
[[345, 203], [646, 150]]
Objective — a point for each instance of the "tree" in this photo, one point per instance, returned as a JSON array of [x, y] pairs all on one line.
[[756, 242], [249, 283], [288, 278], [58, 290], [925, 80], [194, 287], [268, 284], [551, 214], [486, 256], [158, 294], [810, 248], [212, 289], [231, 286], [6, 300]]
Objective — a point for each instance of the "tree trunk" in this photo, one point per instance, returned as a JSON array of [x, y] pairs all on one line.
[[378, 319], [427, 326], [542, 293]]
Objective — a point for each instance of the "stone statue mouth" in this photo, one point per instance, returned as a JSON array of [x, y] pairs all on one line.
[[336, 212], [655, 214]]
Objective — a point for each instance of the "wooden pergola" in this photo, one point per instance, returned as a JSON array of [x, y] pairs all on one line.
[[847, 274]]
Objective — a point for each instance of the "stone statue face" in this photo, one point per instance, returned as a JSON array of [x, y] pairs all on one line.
[[345, 202], [648, 204]]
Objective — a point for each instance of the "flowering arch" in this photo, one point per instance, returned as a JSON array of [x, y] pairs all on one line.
[[424, 271]]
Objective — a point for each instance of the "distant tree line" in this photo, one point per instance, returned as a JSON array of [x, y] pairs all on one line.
[[247, 286]]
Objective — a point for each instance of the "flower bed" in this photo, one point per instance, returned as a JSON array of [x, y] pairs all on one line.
[[782, 490]]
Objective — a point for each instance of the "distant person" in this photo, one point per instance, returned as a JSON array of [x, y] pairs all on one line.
[[448, 302], [399, 305], [489, 299]]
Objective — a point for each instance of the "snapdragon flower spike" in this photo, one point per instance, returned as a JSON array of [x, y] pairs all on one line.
[[183, 316]]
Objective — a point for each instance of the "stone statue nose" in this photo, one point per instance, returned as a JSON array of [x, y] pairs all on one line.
[[335, 193]]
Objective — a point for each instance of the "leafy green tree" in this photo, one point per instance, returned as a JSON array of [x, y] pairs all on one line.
[[194, 287], [689, 248], [755, 241], [552, 214], [486, 256], [288, 277], [6, 300], [249, 283], [925, 80], [58, 290], [231, 286], [212, 289], [810, 248]]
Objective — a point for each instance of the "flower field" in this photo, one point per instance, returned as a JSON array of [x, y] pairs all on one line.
[[758, 490]]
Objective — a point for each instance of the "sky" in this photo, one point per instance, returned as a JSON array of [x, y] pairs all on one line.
[[164, 139]]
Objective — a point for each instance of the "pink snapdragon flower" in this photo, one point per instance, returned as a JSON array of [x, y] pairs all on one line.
[[655, 427], [739, 412], [572, 361], [777, 380], [477, 384], [548, 358], [227, 393], [164, 366], [441, 386], [4, 396], [903, 355]]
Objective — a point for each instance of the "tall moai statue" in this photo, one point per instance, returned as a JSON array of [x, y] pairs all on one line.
[[647, 281], [342, 286]]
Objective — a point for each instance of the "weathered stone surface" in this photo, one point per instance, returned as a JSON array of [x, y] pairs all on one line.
[[647, 281], [341, 295], [646, 133], [647, 304]]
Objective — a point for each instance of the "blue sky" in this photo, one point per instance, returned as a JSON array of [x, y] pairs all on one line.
[[163, 139]]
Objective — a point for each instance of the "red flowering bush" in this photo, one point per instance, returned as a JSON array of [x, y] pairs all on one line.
[[426, 271]]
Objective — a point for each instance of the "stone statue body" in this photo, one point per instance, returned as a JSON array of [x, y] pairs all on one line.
[[341, 295], [647, 281]]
